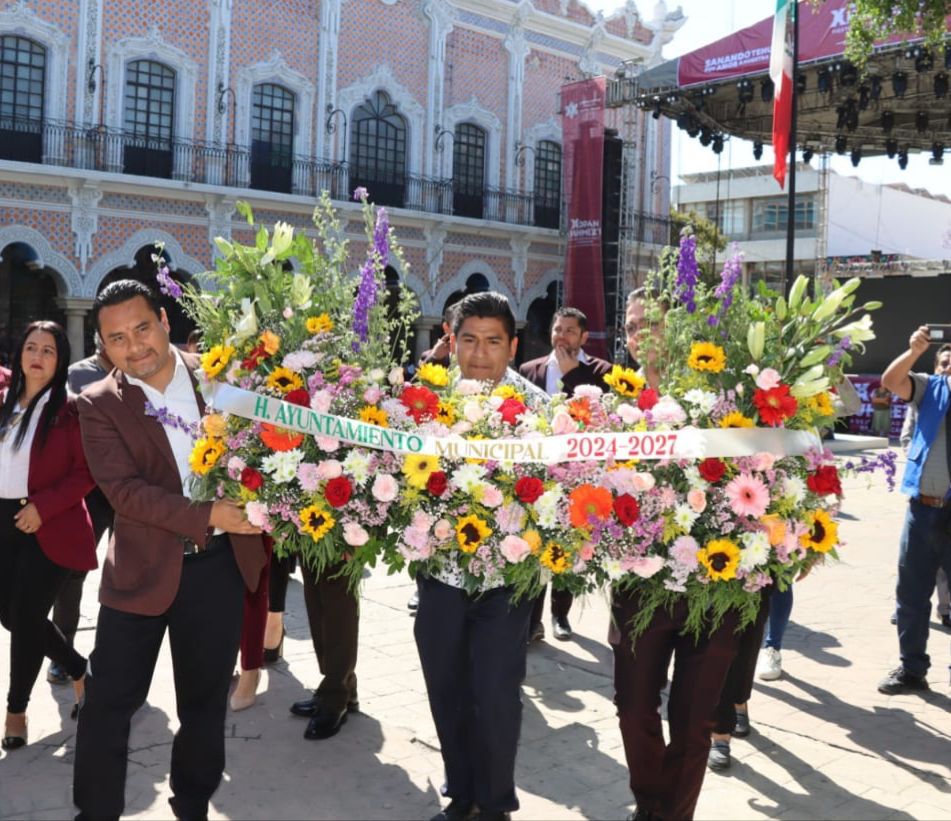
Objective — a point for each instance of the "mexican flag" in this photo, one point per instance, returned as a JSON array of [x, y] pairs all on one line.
[[780, 71]]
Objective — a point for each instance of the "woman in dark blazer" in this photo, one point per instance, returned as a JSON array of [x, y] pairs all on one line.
[[44, 528]]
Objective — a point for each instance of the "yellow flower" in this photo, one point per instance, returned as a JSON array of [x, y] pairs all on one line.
[[284, 380], [375, 416], [433, 374], [720, 557], [246, 495], [823, 533], [214, 361], [821, 404], [625, 381], [554, 558], [214, 425], [205, 455], [270, 341], [775, 528], [471, 531], [705, 356], [735, 419], [321, 324], [508, 392], [315, 521], [534, 539], [417, 469], [446, 413]]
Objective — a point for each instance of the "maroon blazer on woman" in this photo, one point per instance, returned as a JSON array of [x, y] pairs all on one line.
[[132, 462], [58, 482]]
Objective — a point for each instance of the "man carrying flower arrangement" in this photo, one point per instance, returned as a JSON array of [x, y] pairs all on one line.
[[472, 643]]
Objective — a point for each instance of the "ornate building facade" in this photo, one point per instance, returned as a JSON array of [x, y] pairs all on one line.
[[125, 124]]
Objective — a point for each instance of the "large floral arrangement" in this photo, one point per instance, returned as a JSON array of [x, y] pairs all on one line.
[[308, 334]]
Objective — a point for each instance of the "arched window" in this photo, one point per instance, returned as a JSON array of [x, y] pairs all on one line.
[[468, 170], [378, 150], [148, 118], [547, 184], [22, 98], [272, 137]]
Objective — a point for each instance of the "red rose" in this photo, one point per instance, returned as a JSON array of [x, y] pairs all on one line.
[[712, 470], [511, 409], [647, 399], [251, 479], [337, 492], [626, 509], [825, 481], [298, 397], [528, 489], [437, 483]]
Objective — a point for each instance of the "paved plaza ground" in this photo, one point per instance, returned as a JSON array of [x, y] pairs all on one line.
[[825, 743]]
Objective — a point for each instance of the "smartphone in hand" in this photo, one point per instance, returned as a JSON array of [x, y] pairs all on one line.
[[939, 333]]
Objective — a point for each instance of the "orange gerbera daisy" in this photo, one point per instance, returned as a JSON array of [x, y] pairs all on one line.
[[280, 438], [580, 410], [587, 502]]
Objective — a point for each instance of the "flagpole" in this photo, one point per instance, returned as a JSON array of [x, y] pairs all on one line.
[[788, 273]]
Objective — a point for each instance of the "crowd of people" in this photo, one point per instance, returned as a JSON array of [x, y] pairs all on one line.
[[83, 452]]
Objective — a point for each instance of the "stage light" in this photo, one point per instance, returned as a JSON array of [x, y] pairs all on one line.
[[705, 136], [840, 117], [888, 121], [937, 154], [921, 122], [903, 159], [874, 87], [851, 116], [656, 112], [899, 83], [718, 144], [683, 120], [766, 90], [800, 83], [824, 81], [745, 91], [863, 98], [757, 150], [848, 74], [941, 85], [840, 144], [891, 148], [923, 60], [807, 154], [856, 157], [694, 128]]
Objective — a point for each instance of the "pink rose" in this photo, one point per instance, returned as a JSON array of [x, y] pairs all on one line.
[[329, 469], [354, 535], [514, 548], [588, 392], [320, 401], [629, 414], [328, 443], [385, 488], [492, 496], [762, 461], [697, 500], [586, 554], [442, 530], [422, 521], [643, 482], [472, 411], [768, 378], [643, 566], [562, 423]]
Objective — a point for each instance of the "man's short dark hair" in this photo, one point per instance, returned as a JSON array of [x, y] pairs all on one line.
[[941, 350], [121, 291], [485, 305], [194, 336], [570, 313]]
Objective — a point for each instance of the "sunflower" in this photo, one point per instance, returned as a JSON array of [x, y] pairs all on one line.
[[471, 531], [587, 502], [205, 455], [433, 374], [284, 380], [625, 381], [705, 356], [270, 342], [508, 392], [446, 413], [554, 558], [418, 468], [374, 415], [315, 521], [823, 533], [321, 324], [720, 557], [214, 361], [735, 419]]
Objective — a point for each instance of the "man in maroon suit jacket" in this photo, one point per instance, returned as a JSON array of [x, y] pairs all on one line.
[[563, 370], [173, 564]]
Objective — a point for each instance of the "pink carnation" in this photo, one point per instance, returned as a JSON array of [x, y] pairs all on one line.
[[320, 401], [768, 379], [643, 566], [385, 488], [514, 548], [562, 423], [697, 500], [629, 414], [684, 552], [328, 443], [354, 535], [442, 530], [492, 496], [372, 395], [748, 495], [643, 482], [329, 469], [308, 476]]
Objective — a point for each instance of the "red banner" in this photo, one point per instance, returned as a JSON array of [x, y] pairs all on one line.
[[582, 124]]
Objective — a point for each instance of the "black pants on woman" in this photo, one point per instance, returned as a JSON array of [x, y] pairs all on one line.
[[29, 583]]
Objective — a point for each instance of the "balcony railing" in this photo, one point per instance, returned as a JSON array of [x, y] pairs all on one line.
[[100, 148]]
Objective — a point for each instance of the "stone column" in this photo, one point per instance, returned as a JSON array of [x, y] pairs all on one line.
[[76, 310], [423, 326]]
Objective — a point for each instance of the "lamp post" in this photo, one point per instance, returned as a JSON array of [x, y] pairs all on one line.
[[331, 127]]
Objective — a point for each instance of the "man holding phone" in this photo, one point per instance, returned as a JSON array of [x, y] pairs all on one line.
[[926, 537]]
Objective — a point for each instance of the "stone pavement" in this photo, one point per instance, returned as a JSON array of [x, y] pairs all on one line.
[[825, 743]]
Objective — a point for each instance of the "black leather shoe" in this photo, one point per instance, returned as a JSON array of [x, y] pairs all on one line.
[[324, 724], [456, 810], [560, 628], [309, 706]]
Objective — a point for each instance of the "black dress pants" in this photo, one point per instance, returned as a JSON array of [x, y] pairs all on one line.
[[333, 611], [560, 605], [472, 650], [204, 629], [666, 778]]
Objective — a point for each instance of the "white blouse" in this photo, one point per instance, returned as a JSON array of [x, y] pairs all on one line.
[[15, 463]]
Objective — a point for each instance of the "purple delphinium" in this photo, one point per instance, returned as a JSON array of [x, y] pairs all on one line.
[[732, 273], [366, 294], [687, 272], [168, 419], [839, 351], [167, 285]]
